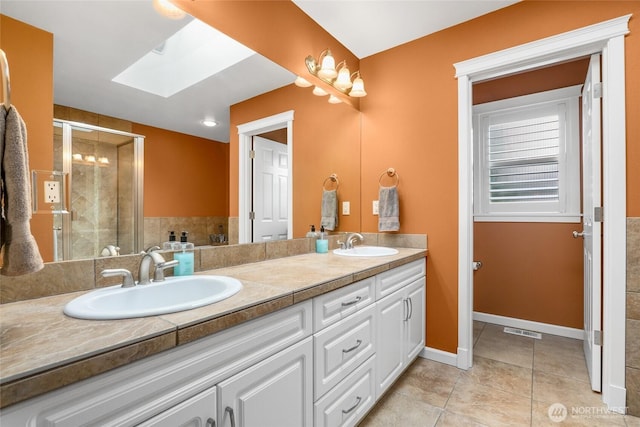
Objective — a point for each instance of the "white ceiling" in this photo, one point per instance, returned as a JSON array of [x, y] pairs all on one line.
[[96, 40]]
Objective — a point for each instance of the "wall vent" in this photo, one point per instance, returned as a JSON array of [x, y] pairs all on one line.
[[523, 332]]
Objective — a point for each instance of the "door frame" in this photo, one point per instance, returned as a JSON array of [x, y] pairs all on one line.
[[608, 39], [245, 132]]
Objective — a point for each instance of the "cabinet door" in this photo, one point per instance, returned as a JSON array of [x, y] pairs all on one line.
[[276, 392], [391, 311], [415, 324], [199, 411]]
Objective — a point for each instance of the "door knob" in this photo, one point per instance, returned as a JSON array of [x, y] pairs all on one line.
[[577, 234], [477, 265]]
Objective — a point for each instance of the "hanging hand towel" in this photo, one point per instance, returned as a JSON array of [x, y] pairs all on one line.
[[388, 209], [20, 250], [329, 209]]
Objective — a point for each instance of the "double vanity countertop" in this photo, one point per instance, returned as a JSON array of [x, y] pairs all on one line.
[[42, 349]]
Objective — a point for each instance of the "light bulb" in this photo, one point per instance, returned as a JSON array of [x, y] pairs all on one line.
[[301, 82], [319, 91], [343, 82], [357, 91], [168, 9], [328, 67]]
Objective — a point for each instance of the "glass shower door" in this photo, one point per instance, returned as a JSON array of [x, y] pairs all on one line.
[[104, 173]]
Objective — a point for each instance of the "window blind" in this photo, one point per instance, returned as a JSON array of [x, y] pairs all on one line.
[[523, 160]]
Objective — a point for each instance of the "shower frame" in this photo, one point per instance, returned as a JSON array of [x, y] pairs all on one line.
[[138, 178]]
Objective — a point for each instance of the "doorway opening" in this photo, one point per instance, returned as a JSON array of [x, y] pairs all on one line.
[[606, 38], [246, 133]]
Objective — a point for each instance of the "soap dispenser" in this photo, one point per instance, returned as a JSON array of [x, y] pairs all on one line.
[[312, 233], [185, 257], [171, 244], [322, 244]]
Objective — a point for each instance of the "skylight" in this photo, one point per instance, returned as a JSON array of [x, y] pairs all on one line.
[[191, 55]]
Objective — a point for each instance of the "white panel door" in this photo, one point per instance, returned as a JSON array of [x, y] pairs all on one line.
[[592, 228], [391, 312], [270, 184], [415, 319]]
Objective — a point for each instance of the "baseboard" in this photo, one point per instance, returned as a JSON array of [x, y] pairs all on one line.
[[439, 356], [617, 399], [530, 325]]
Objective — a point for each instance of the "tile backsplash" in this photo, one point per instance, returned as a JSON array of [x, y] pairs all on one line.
[[83, 275]]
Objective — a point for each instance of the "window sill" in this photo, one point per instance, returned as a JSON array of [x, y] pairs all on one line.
[[528, 218]]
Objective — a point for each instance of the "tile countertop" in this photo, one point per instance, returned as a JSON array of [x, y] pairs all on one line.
[[42, 349]]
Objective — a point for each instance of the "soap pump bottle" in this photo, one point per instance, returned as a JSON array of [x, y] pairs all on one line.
[[312, 233], [171, 244], [322, 244], [185, 257]]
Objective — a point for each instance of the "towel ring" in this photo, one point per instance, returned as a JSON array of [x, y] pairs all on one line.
[[391, 172], [332, 178]]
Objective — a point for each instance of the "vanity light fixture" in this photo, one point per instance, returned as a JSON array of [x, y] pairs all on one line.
[[90, 159], [334, 100], [339, 77], [168, 9], [103, 160], [76, 156], [209, 123]]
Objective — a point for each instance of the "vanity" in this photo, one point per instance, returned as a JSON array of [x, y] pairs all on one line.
[[332, 335]]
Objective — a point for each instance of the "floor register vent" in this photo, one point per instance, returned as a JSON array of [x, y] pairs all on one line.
[[523, 332]]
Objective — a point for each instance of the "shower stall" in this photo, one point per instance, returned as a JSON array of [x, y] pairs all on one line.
[[103, 191]]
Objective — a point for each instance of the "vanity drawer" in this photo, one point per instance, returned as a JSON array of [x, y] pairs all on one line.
[[340, 348], [390, 281], [336, 305], [349, 401]]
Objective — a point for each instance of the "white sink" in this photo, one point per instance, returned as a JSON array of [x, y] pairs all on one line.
[[172, 295], [366, 251]]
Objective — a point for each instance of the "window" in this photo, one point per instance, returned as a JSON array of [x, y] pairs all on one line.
[[527, 158]]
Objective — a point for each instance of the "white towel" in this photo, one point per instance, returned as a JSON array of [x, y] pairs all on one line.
[[20, 250], [329, 215], [388, 209]]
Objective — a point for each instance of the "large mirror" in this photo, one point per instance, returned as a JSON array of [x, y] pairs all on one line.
[[190, 170]]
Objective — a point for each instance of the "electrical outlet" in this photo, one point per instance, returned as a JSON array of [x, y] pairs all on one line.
[[375, 207], [51, 192], [346, 208]]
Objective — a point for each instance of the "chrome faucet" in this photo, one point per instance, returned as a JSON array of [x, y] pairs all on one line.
[[127, 278], [158, 261], [351, 238]]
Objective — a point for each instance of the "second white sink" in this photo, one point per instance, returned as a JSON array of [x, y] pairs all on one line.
[[169, 296], [364, 251]]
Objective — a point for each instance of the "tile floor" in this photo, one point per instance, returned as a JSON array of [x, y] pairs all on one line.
[[513, 382]]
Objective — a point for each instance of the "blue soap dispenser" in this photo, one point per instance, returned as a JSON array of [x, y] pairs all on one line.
[[185, 257]]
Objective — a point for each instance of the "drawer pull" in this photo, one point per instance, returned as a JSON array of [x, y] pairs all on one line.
[[232, 417], [349, 350], [211, 422], [355, 301], [358, 400]]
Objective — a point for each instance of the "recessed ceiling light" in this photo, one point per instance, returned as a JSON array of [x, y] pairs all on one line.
[[209, 123]]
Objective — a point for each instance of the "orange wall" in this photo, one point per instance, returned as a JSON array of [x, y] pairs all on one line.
[[530, 271], [29, 52], [184, 175], [411, 124], [326, 140]]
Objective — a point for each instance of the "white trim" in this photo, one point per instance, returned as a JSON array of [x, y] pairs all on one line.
[[606, 37], [557, 218], [545, 328], [439, 356], [245, 132]]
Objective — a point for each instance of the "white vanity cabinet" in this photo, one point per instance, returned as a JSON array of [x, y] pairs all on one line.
[[401, 321], [176, 387]]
